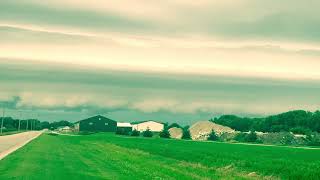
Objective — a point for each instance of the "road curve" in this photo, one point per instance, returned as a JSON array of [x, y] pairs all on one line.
[[11, 143]]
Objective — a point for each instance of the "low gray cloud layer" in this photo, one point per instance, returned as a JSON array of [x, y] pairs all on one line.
[[91, 91], [138, 57]]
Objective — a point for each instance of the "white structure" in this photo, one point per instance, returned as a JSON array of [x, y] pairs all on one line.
[[65, 129], [151, 125], [119, 124], [76, 127]]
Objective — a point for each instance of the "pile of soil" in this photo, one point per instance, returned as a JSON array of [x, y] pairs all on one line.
[[201, 130], [175, 133]]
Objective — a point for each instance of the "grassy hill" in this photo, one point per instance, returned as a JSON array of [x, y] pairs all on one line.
[[107, 156]]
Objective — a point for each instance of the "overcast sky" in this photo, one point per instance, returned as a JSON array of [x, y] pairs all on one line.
[[176, 60]]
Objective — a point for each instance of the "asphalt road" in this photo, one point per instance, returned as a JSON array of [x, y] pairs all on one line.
[[10, 143]]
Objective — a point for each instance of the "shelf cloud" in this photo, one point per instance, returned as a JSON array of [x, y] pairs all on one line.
[[248, 52]]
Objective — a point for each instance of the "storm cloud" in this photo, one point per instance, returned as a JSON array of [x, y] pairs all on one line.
[[142, 57], [69, 89]]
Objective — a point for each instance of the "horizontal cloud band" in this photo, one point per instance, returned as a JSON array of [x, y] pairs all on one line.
[[27, 86]]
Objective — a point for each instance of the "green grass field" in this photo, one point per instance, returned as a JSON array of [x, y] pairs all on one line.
[[107, 156]]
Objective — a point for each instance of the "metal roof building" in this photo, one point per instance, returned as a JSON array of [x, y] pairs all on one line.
[[97, 124]]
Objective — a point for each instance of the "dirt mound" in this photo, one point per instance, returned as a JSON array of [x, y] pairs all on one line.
[[200, 130], [175, 132]]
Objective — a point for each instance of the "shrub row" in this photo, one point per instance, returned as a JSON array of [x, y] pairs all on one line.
[[146, 133]]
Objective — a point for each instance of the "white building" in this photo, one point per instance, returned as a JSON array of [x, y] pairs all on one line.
[[151, 125], [123, 124], [65, 129]]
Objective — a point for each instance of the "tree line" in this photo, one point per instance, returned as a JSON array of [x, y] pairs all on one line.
[[298, 121], [11, 124]]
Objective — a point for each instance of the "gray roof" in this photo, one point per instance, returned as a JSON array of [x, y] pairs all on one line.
[[93, 117]]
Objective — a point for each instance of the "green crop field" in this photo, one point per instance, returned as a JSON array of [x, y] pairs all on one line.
[[107, 156]]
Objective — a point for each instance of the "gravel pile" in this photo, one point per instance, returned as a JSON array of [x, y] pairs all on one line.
[[175, 132], [201, 130]]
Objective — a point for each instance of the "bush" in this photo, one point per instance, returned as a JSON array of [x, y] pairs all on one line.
[[135, 133], [251, 137], [53, 134], [227, 136], [243, 137], [314, 139], [240, 137], [186, 133], [287, 139], [213, 136], [165, 133], [122, 132], [147, 133]]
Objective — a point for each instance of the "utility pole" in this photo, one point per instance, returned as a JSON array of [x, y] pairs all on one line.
[[31, 124], [38, 121], [19, 121], [35, 121], [31, 120], [27, 124], [2, 120]]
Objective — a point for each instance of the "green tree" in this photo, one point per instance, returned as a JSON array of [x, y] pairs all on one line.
[[121, 131], [300, 130], [213, 136], [275, 123], [44, 125], [235, 122], [135, 133], [240, 137], [147, 133], [174, 125], [165, 133], [251, 137], [313, 139], [186, 133]]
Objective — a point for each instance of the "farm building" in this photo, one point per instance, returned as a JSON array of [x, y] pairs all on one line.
[[124, 127], [96, 124], [151, 125]]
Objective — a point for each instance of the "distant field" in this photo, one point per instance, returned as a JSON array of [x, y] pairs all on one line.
[[106, 156]]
